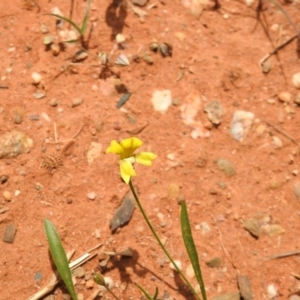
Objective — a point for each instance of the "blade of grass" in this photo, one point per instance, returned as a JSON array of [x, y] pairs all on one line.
[[190, 247], [146, 294], [84, 23], [78, 29], [59, 256]]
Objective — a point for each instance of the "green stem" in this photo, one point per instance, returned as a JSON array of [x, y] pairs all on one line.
[[159, 241]]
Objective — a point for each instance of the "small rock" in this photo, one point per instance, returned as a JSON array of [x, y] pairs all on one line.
[[123, 213], [55, 49], [294, 297], [4, 209], [245, 287], [297, 190], [77, 102], [79, 272], [271, 290], [178, 264], [285, 97], [18, 118], [7, 195], [9, 233], [91, 196], [36, 77], [241, 124], [53, 102], [3, 179], [226, 166], [273, 229], [39, 95], [139, 2], [44, 28], [214, 263], [297, 99], [228, 296], [214, 112], [34, 117], [161, 100], [13, 143], [253, 226], [296, 80], [190, 271], [277, 142]]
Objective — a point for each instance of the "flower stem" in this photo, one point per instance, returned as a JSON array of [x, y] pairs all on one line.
[[160, 242]]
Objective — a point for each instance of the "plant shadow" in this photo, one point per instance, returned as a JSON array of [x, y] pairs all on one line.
[[123, 264], [115, 16]]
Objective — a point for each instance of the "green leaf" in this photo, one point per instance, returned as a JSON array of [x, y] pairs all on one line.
[[79, 30], [84, 23], [59, 257], [146, 294], [190, 247]]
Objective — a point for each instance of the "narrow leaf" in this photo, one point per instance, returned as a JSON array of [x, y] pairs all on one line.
[[69, 21], [190, 247], [59, 257], [84, 23], [145, 293]]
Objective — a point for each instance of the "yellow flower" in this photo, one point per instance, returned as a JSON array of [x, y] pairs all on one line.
[[125, 150]]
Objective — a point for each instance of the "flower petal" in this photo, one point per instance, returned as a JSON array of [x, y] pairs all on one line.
[[130, 145], [126, 170], [115, 148], [145, 158]]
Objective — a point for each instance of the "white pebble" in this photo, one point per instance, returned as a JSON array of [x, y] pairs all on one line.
[[277, 142], [272, 291], [109, 282], [178, 264], [296, 80], [36, 77], [91, 195], [17, 192]]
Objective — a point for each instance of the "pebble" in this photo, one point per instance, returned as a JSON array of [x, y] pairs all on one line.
[[178, 264], [226, 166], [277, 142], [285, 97], [139, 2], [34, 117], [190, 271], [91, 195], [253, 226], [214, 262], [296, 80], [53, 102], [3, 179], [161, 100], [9, 233], [109, 282], [36, 77], [79, 272], [77, 102], [7, 195], [245, 287], [214, 112], [241, 124], [297, 99], [272, 292], [39, 95], [18, 118], [294, 297]]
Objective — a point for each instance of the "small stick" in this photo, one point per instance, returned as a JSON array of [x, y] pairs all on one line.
[[284, 254], [276, 50], [221, 242], [55, 132], [283, 133]]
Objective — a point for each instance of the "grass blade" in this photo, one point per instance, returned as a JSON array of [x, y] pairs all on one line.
[[84, 23], [190, 247], [145, 293], [78, 29], [59, 257]]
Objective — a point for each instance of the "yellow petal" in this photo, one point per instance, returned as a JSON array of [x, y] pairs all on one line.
[[115, 148], [130, 145], [145, 158], [126, 170]]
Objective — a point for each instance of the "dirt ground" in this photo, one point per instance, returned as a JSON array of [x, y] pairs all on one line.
[[215, 56]]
